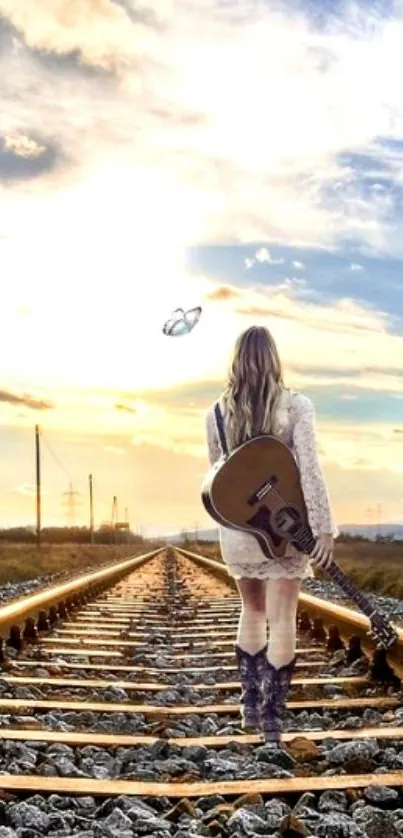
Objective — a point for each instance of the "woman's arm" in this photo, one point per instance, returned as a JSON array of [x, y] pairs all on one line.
[[313, 483], [213, 444]]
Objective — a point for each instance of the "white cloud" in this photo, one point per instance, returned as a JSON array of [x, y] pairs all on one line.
[[359, 447], [299, 266], [263, 255], [97, 29], [28, 489], [293, 283], [23, 146], [171, 442], [354, 266], [190, 92]]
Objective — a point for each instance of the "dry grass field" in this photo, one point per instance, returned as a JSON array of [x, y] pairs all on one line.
[[373, 566], [19, 562]]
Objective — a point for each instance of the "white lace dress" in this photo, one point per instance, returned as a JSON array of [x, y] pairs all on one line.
[[295, 426]]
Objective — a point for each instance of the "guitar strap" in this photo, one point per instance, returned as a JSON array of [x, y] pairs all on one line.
[[220, 424], [220, 427]]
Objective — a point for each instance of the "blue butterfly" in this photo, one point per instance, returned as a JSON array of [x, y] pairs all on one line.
[[182, 322]]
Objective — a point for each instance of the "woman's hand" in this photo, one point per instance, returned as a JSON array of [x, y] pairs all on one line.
[[322, 553]]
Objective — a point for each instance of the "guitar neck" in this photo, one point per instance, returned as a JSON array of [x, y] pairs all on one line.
[[306, 542], [336, 573], [380, 626]]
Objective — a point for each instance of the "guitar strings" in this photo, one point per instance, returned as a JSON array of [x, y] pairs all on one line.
[[301, 529]]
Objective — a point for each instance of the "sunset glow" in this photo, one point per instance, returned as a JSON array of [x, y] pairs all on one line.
[[235, 156]]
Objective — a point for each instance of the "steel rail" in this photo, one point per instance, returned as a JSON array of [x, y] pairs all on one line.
[[41, 610], [161, 718], [347, 621]]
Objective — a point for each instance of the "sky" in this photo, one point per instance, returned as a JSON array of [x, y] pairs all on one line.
[[241, 155]]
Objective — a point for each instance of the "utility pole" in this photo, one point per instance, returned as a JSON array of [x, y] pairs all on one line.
[[91, 511], [369, 514], [379, 508], [114, 517], [38, 488]]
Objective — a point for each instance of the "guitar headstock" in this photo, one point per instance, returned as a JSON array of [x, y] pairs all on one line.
[[382, 631]]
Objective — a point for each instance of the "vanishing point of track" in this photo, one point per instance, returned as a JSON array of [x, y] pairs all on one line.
[[152, 638]]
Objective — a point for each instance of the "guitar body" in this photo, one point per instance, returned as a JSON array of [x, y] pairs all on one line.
[[257, 489]]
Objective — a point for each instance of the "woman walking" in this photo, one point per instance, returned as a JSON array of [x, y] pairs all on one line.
[[255, 401]]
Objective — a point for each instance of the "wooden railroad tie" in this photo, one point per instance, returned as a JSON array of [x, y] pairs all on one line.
[[117, 740], [231, 788], [95, 683], [49, 664], [189, 709]]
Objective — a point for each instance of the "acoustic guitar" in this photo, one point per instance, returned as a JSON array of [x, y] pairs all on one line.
[[257, 489]]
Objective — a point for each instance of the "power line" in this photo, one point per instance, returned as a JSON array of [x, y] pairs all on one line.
[[70, 501], [54, 456]]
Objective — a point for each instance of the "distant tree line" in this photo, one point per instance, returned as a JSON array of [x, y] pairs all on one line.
[[385, 539], [76, 535], [343, 537]]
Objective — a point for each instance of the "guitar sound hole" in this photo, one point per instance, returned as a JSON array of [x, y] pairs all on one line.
[[261, 520]]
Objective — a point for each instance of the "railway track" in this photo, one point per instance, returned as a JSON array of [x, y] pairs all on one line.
[[119, 713]]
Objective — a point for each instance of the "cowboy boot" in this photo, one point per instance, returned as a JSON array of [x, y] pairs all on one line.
[[251, 668], [275, 686]]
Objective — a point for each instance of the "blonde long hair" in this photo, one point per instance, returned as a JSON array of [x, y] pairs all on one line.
[[253, 387]]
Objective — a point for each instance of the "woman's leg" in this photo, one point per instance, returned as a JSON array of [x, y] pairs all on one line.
[[252, 628], [251, 648], [281, 609]]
